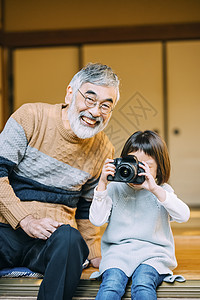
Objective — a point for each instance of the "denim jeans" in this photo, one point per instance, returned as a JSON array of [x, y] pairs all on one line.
[[145, 280]]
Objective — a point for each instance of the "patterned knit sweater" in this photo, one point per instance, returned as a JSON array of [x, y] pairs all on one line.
[[46, 171]]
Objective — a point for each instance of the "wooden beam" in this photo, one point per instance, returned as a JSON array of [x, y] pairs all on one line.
[[161, 32], [7, 88]]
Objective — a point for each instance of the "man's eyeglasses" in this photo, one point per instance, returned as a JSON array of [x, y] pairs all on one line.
[[104, 107]]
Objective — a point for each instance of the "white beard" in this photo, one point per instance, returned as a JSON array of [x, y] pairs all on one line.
[[80, 130]]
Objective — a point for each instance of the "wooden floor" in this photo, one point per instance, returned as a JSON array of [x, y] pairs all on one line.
[[187, 247]]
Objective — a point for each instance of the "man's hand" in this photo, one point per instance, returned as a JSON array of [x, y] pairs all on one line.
[[39, 228], [95, 262]]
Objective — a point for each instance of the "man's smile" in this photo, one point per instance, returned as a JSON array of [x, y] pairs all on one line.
[[89, 122]]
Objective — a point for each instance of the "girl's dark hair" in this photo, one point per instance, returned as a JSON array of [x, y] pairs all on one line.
[[153, 145]]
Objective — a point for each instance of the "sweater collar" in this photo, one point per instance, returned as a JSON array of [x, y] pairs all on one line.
[[66, 133]]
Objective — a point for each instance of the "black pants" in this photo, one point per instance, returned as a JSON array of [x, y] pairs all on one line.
[[59, 258]]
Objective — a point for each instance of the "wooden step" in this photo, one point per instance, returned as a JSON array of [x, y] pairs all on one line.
[[87, 289]]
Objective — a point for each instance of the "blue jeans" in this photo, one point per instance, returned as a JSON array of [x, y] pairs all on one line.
[[145, 281]]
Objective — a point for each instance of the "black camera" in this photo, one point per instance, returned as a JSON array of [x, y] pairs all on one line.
[[127, 170]]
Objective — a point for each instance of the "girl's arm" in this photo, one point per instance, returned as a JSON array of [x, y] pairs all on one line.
[[100, 208], [101, 204], [176, 208]]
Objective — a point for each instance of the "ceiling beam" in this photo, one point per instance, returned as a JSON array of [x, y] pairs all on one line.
[[160, 32]]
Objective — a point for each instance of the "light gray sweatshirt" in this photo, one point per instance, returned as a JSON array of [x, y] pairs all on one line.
[[138, 228]]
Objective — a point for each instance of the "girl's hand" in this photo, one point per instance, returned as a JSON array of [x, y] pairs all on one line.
[[108, 169], [149, 183]]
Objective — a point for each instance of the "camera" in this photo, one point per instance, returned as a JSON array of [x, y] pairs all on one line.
[[127, 170]]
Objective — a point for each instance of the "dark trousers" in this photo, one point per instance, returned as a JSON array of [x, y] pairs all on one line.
[[59, 258]]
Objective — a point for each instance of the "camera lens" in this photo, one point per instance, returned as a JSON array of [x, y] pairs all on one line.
[[126, 172]]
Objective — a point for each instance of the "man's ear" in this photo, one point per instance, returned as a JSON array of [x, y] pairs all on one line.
[[69, 93]]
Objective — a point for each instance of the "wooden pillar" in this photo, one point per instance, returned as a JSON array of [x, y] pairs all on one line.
[[6, 71]]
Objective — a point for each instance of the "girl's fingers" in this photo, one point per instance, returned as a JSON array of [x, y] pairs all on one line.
[[109, 160], [145, 164], [109, 167], [145, 167]]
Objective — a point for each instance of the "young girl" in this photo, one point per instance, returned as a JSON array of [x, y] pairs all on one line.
[[138, 240]]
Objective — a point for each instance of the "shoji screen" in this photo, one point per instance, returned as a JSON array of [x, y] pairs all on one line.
[[42, 74], [184, 118], [139, 67]]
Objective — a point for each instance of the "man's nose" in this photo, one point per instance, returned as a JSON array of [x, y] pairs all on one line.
[[95, 111]]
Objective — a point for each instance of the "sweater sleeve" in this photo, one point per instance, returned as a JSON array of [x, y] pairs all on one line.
[[177, 209], [105, 150], [13, 143], [100, 208], [91, 235]]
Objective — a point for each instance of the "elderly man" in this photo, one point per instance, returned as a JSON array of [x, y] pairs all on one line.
[[51, 158]]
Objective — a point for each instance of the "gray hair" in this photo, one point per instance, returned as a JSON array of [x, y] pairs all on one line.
[[95, 73]]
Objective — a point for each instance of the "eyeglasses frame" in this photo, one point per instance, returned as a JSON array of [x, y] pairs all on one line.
[[95, 103]]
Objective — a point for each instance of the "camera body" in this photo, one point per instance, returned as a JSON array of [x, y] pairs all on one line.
[[127, 170]]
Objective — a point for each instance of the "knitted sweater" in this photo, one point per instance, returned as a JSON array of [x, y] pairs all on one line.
[[138, 228], [46, 171]]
